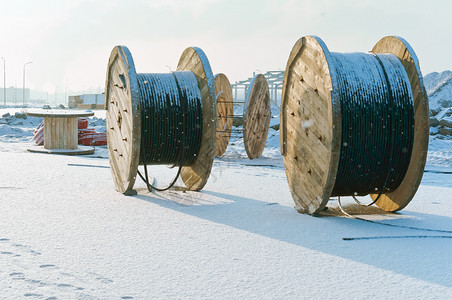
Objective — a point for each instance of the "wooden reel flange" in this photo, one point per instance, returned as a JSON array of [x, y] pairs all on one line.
[[225, 113], [311, 124], [122, 102], [399, 198], [256, 115]]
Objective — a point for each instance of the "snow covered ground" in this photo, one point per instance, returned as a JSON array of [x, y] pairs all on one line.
[[65, 233], [439, 90]]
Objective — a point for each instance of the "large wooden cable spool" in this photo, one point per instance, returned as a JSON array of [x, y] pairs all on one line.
[[311, 124], [256, 116], [225, 113], [124, 125]]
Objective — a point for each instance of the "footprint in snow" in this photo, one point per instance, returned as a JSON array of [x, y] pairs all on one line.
[[37, 282], [32, 295], [53, 267], [27, 248], [101, 278], [105, 280], [17, 276]]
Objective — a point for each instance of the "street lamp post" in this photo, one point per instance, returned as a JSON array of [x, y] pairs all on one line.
[[23, 90], [4, 82]]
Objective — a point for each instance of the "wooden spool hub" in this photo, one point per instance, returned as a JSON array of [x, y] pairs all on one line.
[[122, 102], [256, 117], [225, 113], [311, 124]]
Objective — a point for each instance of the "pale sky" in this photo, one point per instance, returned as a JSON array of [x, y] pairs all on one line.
[[69, 41]]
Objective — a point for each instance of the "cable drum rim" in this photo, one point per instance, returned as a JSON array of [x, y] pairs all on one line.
[[122, 98], [224, 102], [398, 199], [310, 131], [256, 116], [194, 59]]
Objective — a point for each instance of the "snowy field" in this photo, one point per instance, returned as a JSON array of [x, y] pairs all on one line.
[[65, 233]]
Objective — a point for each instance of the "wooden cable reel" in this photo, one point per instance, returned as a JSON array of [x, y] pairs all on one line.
[[256, 115], [124, 126], [311, 124]]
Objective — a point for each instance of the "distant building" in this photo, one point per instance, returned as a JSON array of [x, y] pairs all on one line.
[[14, 95], [275, 82], [87, 101]]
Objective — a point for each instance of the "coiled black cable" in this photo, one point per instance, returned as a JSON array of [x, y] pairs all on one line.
[[171, 120], [377, 119]]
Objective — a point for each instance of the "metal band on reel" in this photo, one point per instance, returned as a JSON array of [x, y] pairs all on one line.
[[311, 120], [256, 115], [123, 97]]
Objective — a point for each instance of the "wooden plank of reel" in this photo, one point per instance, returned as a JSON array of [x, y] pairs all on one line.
[[311, 124], [122, 102], [256, 116], [225, 113]]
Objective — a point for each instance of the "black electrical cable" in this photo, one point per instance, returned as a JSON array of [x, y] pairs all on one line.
[[377, 123], [399, 237], [171, 121], [387, 224]]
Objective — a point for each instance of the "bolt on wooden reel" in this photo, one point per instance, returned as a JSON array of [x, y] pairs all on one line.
[[256, 115], [313, 114], [126, 131]]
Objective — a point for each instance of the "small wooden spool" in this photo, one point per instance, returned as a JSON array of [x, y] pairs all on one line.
[[61, 133], [225, 112], [122, 102], [311, 124], [256, 115]]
